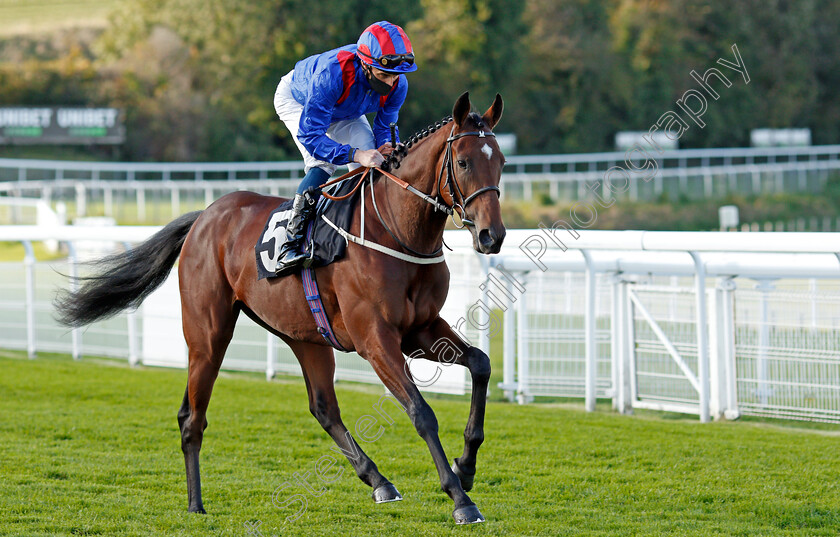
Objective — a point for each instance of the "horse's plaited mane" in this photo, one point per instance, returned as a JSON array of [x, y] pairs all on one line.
[[417, 136], [393, 160]]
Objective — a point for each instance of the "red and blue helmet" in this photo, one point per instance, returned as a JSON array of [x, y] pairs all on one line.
[[385, 46]]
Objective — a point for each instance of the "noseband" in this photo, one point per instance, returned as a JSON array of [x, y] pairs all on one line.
[[452, 181]]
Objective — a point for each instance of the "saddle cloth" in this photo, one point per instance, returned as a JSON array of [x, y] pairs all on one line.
[[328, 245]]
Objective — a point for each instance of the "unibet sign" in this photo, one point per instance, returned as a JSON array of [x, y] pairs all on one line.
[[61, 125]]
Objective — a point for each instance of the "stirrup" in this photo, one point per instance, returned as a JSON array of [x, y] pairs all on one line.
[[310, 258]]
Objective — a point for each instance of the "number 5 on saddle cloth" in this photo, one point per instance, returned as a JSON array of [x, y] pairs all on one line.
[[322, 243]]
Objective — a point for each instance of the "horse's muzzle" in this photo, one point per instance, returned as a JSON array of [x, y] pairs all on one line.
[[490, 240]]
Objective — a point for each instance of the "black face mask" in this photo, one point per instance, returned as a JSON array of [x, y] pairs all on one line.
[[377, 85]]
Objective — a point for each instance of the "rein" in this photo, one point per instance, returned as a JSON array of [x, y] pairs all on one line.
[[418, 257], [364, 173], [348, 175]]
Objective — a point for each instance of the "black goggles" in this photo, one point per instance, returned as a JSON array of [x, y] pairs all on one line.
[[389, 61]]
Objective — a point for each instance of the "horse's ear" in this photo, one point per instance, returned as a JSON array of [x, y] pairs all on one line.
[[494, 113], [461, 109]]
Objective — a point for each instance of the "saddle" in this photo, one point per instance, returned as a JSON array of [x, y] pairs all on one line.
[[323, 244]]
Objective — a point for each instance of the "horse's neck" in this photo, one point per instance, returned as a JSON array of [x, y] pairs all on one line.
[[415, 220]]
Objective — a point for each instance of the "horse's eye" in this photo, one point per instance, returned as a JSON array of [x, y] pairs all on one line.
[[462, 164]]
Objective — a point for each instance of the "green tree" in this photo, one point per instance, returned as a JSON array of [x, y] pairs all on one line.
[[197, 78]]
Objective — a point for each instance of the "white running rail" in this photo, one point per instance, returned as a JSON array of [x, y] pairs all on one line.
[[713, 324]]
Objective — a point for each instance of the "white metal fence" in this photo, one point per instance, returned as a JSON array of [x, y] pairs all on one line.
[[152, 335], [712, 324], [150, 192]]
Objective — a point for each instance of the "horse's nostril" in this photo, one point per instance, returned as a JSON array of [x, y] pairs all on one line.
[[485, 238]]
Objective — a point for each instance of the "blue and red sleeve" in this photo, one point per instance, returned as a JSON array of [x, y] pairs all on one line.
[[326, 87]]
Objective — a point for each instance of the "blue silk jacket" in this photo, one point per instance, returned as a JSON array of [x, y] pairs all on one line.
[[332, 87]]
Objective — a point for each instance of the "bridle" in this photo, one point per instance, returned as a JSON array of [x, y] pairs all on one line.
[[439, 204], [452, 180]]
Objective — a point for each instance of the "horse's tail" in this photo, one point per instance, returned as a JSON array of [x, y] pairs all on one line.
[[125, 279]]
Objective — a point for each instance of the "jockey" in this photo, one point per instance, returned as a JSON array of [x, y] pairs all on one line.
[[323, 102]]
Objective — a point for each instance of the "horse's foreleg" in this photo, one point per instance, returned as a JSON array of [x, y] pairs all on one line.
[[478, 364], [382, 349], [439, 343], [318, 365]]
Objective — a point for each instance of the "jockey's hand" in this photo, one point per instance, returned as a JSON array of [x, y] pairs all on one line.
[[386, 149], [368, 158]]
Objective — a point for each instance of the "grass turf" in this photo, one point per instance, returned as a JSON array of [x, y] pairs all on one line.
[[42, 16], [92, 448]]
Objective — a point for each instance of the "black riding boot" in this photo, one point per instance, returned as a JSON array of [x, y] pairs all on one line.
[[291, 255]]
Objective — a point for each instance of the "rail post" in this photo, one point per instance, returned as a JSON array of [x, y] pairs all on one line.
[[764, 391], [484, 316], [522, 395], [625, 358], [615, 340], [726, 291], [141, 203], [509, 352], [702, 336], [175, 195], [131, 320], [591, 363], [29, 261], [75, 333], [270, 356], [108, 200], [81, 199]]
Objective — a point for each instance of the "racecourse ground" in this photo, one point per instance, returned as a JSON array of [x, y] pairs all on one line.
[[39, 16], [92, 448]]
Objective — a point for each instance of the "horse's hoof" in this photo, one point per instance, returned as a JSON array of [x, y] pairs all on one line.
[[466, 479], [468, 514], [200, 510], [386, 493]]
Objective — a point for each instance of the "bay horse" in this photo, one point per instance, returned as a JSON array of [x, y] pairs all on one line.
[[379, 305]]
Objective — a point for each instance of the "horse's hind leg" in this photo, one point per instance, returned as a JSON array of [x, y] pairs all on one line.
[[208, 328], [318, 365]]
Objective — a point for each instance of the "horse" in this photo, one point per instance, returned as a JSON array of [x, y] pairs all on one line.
[[381, 306]]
